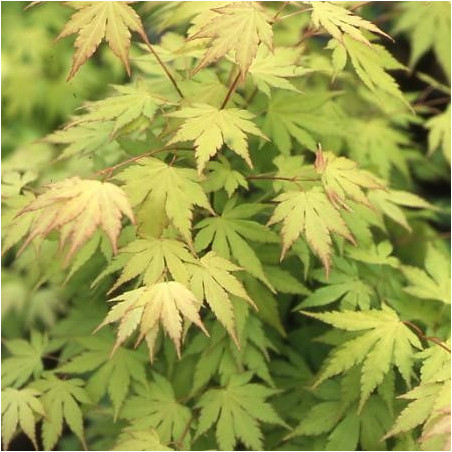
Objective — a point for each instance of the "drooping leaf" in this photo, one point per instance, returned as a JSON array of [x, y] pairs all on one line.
[[384, 341], [237, 410], [20, 407], [237, 27], [210, 128], [145, 308], [61, 399], [339, 21], [311, 214], [174, 190], [95, 21], [211, 280], [77, 208]]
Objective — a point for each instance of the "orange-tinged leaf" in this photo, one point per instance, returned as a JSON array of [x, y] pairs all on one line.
[[76, 208], [95, 21]]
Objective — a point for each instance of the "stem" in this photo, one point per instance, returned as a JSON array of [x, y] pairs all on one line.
[[178, 442], [162, 64], [289, 179], [231, 91], [280, 10], [359, 5], [295, 13], [421, 335], [108, 171]]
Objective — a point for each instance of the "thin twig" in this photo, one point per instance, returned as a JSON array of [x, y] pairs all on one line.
[[295, 13], [289, 179], [162, 64], [280, 10], [359, 5], [230, 91], [421, 335]]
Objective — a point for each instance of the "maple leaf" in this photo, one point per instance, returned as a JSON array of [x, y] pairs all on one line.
[[112, 374], [94, 21], [343, 283], [237, 27], [384, 340], [272, 69], [211, 280], [61, 399], [439, 133], [26, 360], [309, 213], [237, 409], [228, 234], [338, 22], [76, 208], [434, 283], [133, 438], [428, 27], [129, 103], [380, 254], [210, 127], [221, 175], [175, 190], [84, 139], [20, 407], [156, 406], [152, 258], [342, 179], [146, 307], [388, 202]]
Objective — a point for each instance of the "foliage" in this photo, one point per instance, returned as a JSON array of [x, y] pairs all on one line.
[[253, 189]]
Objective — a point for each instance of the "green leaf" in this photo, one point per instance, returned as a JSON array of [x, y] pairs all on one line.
[[384, 341], [156, 406], [110, 375], [176, 190], [439, 133], [26, 360], [132, 438], [311, 214], [20, 407], [228, 235], [61, 399], [237, 410], [210, 128], [434, 282]]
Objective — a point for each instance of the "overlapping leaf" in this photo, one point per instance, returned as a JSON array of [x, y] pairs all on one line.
[[76, 208]]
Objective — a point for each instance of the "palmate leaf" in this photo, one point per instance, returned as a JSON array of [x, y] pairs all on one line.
[[237, 410], [311, 214], [272, 69], [210, 128], [135, 438], [388, 202], [228, 234], [20, 407], [439, 133], [211, 280], [433, 282], [156, 407], [221, 175], [173, 191], [76, 208], [145, 308], [237, 27], [342, 179], [428, 26], [26, 360], [153, 259], [384, 341], [129, 103], [61, 399], [110, 375], [338, 22], [94, 21]]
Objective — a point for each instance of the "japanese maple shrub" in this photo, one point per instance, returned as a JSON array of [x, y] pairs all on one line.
[[233, 248]]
